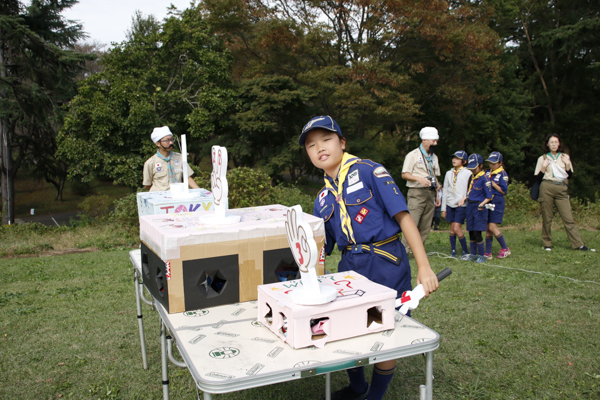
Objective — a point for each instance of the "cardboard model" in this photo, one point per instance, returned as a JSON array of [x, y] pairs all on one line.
[[220, 189], [304, 248], [151, 203], [360, 307], [188, 264]]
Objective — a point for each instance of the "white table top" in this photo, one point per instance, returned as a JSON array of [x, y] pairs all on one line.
[[226, 349]]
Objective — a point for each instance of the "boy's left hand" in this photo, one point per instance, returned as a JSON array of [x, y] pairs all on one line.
[[427, 278]]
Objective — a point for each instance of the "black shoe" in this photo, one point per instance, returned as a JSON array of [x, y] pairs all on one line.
[[348, 393], [583, 248]]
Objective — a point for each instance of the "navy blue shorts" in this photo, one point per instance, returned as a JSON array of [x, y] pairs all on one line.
[[379, 269], [477, 219], [495, 216], [458, 214]]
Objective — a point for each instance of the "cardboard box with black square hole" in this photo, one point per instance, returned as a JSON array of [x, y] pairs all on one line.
[[361, 307], [188, 265]]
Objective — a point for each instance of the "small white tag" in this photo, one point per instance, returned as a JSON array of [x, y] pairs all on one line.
[[353, 178], [354, 188]]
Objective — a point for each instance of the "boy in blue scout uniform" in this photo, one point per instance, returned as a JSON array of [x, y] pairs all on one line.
[[499, 179], [364, 211], [478, 195], [456, 184]]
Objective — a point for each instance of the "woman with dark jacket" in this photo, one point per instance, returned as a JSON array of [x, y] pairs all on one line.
[[554, 169]]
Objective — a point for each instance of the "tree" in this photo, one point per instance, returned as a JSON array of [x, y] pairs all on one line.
[[382, 68], [36, 78], [174, 73]]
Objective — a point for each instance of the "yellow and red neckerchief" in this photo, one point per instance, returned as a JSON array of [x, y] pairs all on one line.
[[456, 171], [348, 160], [480, 174], [497, 171]]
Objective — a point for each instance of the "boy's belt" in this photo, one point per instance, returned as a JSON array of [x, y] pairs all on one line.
[[374, 248]]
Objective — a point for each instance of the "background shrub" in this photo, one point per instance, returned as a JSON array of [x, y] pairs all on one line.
[[96, 207], [126, 211]]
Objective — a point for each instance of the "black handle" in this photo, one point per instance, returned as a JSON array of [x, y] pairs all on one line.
[[444, 274]]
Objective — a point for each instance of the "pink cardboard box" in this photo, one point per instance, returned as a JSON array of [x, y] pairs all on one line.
[[361, 307]]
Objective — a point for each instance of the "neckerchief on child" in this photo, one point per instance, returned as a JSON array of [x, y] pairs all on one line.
[[348, 160], [496, 171], [480, 174], [167, 160], [429, 160], [456, 171]]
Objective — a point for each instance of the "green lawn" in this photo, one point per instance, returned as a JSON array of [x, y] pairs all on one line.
[[69, 329]]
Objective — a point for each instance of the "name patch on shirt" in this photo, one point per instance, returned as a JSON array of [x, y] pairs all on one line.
[[381, 172], [354, 188], [353, 178], [176, 163]]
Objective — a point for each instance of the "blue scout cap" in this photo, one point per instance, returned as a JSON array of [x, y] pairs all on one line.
[[320, 122], [495, 157], [461, 154], [474, 160]]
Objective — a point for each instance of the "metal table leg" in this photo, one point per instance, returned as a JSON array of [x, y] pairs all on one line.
[[328, 386], [429, 374], [163, 353], [138, 303]]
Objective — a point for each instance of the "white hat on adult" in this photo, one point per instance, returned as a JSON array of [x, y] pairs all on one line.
[[159, 133], [429, 133]]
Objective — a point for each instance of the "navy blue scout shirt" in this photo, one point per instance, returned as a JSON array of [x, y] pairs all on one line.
[[372, 199], [500, 179], [481, 189]]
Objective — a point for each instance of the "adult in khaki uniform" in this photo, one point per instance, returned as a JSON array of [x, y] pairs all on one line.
[[166, 166], [554, 169], [420, 170]]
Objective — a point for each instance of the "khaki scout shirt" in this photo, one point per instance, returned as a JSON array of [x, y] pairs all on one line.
[[156, 172], [549, 175], [415, 164]]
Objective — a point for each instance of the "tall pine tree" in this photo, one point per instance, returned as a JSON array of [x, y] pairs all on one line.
[[37, 72]]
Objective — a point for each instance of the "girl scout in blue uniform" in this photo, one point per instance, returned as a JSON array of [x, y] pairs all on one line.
[[478, 195], [364, 211], [499, 179], [456, 184]]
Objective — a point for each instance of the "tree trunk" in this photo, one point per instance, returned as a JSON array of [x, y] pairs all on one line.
[[8, 187]]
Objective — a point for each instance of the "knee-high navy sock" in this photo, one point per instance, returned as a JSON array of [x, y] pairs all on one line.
[[379, 382], [473, 247], [453, 242], [480, 248], [488, 244], [502, 242], [357, 379], [463, 244]]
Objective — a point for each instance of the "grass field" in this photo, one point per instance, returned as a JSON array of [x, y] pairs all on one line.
[[69, 329]]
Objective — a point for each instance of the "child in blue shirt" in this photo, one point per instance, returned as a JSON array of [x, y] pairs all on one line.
[[499, 179], [478, 195], [364, 211]]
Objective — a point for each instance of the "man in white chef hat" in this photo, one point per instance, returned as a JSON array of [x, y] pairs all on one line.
[[166, 166], [420, 170]]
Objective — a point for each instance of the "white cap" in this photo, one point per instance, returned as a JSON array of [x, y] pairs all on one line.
[[159, 133], [429, 132]]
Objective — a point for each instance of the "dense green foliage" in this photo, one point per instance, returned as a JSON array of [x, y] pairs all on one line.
[[174, 73], [37, 77]]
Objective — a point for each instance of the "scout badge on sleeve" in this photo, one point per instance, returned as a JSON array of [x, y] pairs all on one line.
[[304, 248], [181, 191], [410, 299], [220, 189]]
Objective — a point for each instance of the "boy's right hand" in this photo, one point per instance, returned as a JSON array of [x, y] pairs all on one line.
[[461, 202], [443, 214]]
